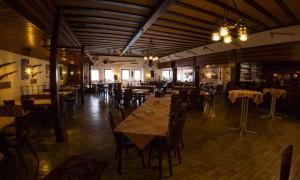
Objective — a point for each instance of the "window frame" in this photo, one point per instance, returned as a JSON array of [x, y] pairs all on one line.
[[105, 75], [140, 70], [128, 74], [98, 79]]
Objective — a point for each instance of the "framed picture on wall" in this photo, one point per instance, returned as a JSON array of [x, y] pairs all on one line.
[[24, 64], [47, 70]]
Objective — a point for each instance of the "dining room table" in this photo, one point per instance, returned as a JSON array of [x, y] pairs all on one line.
[[148, 121], [245, 95], [275, 94]]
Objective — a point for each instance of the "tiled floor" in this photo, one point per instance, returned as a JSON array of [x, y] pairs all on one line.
[[212, 151]]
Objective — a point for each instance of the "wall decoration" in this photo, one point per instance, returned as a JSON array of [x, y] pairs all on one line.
[[4, 75], [5, 85], [47, 70], [33, 81], [24, 64], [7, 64]]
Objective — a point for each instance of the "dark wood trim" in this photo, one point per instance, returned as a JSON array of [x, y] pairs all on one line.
[[238, 12], [181, 29], [101, 26], [183, 37], [264, 11], [54, 77], [165, 4], [287, 10], [82, 78]]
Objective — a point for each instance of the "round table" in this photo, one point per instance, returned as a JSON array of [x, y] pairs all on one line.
[[256, 96], [275, 93]]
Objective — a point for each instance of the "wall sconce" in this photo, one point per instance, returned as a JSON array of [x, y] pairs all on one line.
[[64, 72], [72, 73], [30, 68], [34, 74]]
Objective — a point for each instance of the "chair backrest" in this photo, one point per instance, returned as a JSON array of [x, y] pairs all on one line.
[[175, 131], [113, 126], [9, 102], [118, 93], [183, 94], [286, 162], [128, 94], [13, 110], [28, 105], [22, 125]]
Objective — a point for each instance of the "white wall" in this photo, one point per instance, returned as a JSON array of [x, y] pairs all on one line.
[[15, 91], [119, 63]]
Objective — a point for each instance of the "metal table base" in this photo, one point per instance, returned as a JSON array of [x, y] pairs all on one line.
[[244, 116], [272, 110]]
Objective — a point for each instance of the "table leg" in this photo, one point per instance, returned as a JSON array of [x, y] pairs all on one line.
[[160, 158], [272, 110], [244, 116]]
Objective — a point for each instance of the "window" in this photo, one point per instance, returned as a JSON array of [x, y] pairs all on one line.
[[108, 75], [137, 74], [167, 74], [95, 75], [125, 74]]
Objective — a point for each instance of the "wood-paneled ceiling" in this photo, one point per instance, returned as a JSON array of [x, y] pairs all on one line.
[[127, 26]]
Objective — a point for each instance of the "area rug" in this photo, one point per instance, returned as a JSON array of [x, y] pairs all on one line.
[[78, 168]]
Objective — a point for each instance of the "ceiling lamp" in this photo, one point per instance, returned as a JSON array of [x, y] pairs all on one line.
[[150, 57], [229, 30]]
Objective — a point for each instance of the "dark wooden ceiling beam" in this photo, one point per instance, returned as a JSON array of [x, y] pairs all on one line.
[[287, 11], [167, 26], [101, 26], [146, 40], [182, 16], [104, 28], [187, 25], [100, 20], [154, 33], [238, 12], [104, 35], [178, 34], [100, 30], [264, 11], [170, 39], [164, 5], [201, 10], [92, 12], [102, 4]]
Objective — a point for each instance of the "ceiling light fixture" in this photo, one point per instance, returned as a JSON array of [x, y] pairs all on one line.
[[226, 31], [150, 56]]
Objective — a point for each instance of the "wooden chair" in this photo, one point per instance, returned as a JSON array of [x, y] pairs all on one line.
[[174, 139], [117, 97], [286, 162], [122, 143], [21, 137], [194, 97], [184, 95], [28, 105], [9, 102]]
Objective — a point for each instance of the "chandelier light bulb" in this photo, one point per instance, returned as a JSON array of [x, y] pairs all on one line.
[[243, 36], [150, 57], [215, 36], [227, 39], [224, 31], [145, 58]]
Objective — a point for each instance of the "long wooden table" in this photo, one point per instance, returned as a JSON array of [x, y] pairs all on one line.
[[149, 121]]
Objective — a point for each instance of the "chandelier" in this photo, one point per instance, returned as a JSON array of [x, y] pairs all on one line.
[[150, 55], [226, 31]]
